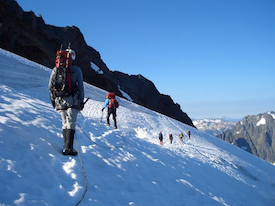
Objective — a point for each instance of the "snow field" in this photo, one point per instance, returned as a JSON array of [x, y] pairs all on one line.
[[126, 166]]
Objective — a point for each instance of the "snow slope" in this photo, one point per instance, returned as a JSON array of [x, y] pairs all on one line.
[[126, 166]]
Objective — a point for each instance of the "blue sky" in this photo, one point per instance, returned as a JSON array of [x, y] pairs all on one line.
[[215, 58]]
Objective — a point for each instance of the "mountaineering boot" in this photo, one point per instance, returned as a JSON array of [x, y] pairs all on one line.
[[108, 122], [71, 138], [115, 126], [66, 141], [71, 151], [68, 135], [64, 136]]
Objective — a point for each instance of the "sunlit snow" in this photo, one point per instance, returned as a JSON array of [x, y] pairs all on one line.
[[261, 122], [272, 114], [126, 166]]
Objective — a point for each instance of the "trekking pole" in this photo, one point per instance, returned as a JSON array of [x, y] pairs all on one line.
[[101, 116]]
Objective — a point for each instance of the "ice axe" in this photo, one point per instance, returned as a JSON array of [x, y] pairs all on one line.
[[87, 100], [82, 106]]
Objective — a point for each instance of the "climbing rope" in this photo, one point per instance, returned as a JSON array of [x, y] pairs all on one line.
[[80, 158], [106, 147], [84, 173]]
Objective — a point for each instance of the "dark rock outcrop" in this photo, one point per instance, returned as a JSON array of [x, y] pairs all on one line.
[[27, 35], [255, 134]]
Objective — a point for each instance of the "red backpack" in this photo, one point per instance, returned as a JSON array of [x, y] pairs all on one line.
[[113, 103], [62, 80], [63, 59]]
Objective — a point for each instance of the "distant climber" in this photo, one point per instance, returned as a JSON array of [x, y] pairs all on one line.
[[160, 138], [181, 136], [189, 134], [112, 105], [171, 138]]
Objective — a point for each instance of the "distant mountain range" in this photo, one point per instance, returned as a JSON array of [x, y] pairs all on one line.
[[255, 134], [214, 126]]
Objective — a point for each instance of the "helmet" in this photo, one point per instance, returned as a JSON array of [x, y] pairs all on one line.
[[72, 52]]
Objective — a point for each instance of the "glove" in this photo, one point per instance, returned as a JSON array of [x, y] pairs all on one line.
[[102, 109], [53, 103], [81, 105]]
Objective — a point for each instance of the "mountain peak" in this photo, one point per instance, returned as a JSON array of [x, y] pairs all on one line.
[[255, 134]]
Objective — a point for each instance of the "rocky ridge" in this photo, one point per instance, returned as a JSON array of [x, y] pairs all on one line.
[[27, 35], [254, 134]]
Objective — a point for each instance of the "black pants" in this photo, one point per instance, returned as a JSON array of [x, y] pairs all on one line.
[[113, 112]]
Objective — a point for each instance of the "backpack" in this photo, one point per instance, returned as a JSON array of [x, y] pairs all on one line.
[[113, 103], [62, 86]]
